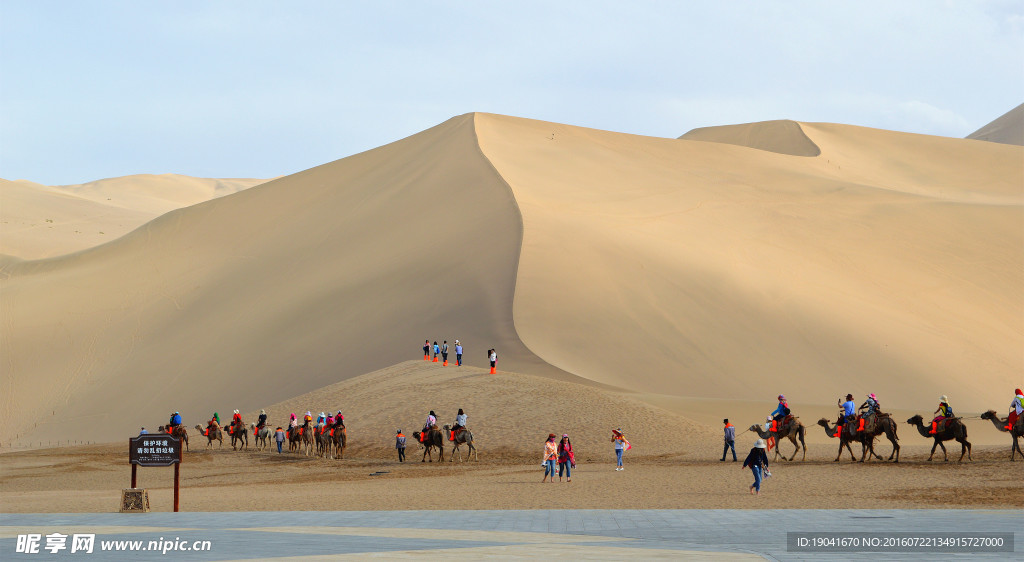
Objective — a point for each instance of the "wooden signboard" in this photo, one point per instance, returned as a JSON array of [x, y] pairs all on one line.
[[155, 450]]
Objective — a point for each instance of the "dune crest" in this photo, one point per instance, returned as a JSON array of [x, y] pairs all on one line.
[[1008, 128], [781, 137]]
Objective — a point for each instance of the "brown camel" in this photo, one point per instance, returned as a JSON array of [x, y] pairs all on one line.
[[261, 435], [306, 438], [294, 438], [214, 433], [239, 434], [339, 440], [180, 432], [883, 424], [954, 429], [434, 439], [1016, 433], [464, 436], [323, 440], [844, 440], [793, 431]]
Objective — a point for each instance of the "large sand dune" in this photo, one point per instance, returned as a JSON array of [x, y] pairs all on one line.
[[889, 263], [41, 221], [782, 137]]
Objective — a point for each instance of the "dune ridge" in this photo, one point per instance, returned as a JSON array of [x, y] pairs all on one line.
[[781, 136], [1008, 128], [41, 221]]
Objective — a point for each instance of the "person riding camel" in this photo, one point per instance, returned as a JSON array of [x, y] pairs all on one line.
[[213, 424], [780, 413], [175, 422], [262, 420], [1016, 409], [945, 411], [431, 423], [236, 421], [873, 409], [321, 419], [848, 414], [460, 424], [339, 420], [308, 418]]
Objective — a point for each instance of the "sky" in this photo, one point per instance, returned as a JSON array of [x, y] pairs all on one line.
[[98, 89]]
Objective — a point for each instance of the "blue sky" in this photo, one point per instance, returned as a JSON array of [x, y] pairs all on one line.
[[259, 89]]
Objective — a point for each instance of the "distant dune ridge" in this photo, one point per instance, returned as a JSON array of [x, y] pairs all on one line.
[[41, 221], [1007, 128], [782, 137], [889, 263]]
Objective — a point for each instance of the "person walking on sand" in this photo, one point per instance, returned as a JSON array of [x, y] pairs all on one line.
[[492, 356], [279, 438], [437, 351], [730, 440], [566, 458], [458, 353], [757, 460], [444, 352], [620, 445], [400, 445], [426, 349], [550, 456]]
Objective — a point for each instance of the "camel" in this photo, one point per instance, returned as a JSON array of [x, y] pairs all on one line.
[[239, 434], [294, 438], [844, 440], [323, 440], [1016, 432], [955, 429], [215, 433], [339, 441], [306, 438], [465, 436], [261, 435], [434, 439], [180, 432], [794, 431]]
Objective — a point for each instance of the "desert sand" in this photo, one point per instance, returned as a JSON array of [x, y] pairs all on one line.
[[41, 221], [658, 285], [685, 269]]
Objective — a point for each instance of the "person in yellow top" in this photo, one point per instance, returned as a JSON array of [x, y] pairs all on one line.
[[944, 411], [550, 457]]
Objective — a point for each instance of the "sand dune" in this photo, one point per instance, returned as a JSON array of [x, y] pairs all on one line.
[[40, 221], [889, 263], [783, 137], [1007, 128]]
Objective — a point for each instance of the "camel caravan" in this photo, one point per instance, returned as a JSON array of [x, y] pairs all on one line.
[[327, 437]]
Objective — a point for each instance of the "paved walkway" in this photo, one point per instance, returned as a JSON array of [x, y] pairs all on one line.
[[580, 534]]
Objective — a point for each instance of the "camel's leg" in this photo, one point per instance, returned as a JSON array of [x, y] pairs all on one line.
[[840, 452], [945, 457], [849, 450], [792, 438], [472, 452], [933, 450], [895, 448]]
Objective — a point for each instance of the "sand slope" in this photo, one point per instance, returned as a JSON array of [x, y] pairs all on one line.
[[1008, 128], [783, 137], [40, 221], [891, 263], [268, 293]]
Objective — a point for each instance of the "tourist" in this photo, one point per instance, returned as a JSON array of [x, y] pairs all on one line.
[[444, 352], [437, 350], [620, 445], [730, 440], [143, 432], [458, 353], [550, 456], [944, 411], [756, 460], [426, 349], [492, 356], [566, 458], [279, 437], [400, 445]]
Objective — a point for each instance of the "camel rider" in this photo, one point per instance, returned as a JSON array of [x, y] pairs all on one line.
[[430, 423], [849, 412], [213, 424], [175, 422], [308, 418], [460, 424], [262, 420], [780, 413], [1016, 409], [236, 421], [873, 408], [339, 420], [293, 421], [944, 411], [321, 419]]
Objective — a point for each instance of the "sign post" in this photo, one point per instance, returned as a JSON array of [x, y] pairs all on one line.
[[156, 450]]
